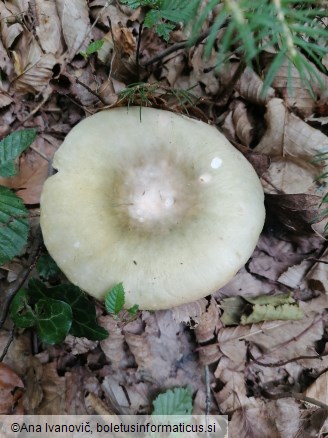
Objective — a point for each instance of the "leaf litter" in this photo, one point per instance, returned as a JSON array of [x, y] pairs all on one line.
[[254, 369]]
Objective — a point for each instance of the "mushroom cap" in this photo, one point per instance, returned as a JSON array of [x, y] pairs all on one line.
[[164, 204]]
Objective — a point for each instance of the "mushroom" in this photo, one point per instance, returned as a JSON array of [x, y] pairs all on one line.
[[164, 204]]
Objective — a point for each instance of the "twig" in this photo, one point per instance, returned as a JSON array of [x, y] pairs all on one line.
[[90, 90], [297, 396], [207, 391], [22, 276], [108, 2], [226, 91], [138, 50], [10, 339], [175, 47], [283, 362]]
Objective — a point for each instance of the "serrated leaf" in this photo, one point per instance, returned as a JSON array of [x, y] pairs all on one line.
[[133, 310], [94, 46], [163, 30], [20, 310], [173, 402], [47, 267], [53, 320], [233, 308], [13, 225], [251, 310], [84, 322], [114, 300], [11, 147], [269, 312]]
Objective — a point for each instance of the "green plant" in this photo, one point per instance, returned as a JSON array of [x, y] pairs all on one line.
[[115, 299], [92, 48], [164, 15], [288, 29], [176, 401], [322, 178], [13, 214], [55, 312], [145, 94]]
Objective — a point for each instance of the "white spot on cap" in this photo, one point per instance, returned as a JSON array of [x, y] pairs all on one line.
[[77, 244], [205, 178], [216, 163], [168, 202]]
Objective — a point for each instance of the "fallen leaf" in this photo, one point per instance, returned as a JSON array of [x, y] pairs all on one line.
[[75, 24], [48, 27], [253, 421], [292, 145], [190, 313], [114, 345], [29, 181], [319, 389], [11, 391], [10, 26], [53, 388]]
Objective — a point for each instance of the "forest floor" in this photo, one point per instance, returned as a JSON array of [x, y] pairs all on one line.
[[270, 375]]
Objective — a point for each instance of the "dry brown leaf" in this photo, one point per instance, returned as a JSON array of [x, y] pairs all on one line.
[[209, 354], [10, 26], [33, 378], [190, 313], [29, 181], [80, 345], [319, 389], [298, 96], [202, 73], [233, 395], [11, 391], [33, 68], [75, 23], [102, 9], [285, 414], [5, 99], [297, 212], [249, 85], [48, 27], [317, 279], [231, 343], [53, 388], [78, 382], [243, 122], [253, 421], [292, 144], [313, 423], [124, 398], [209, 323], [116, 395], [113, 346], [295, 274], [279, 341]]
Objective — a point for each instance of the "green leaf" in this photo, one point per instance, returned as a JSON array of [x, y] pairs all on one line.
[[20, 311], [133, 310], [11, 147], [13, 225], [47, 267], [53, 320], [233, 308], [114, 300], [84, 322], [173, 402], [251, 310], [163, 30], [92, 48]]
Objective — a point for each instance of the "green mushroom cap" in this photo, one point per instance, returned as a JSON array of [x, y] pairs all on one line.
[[164, 204]]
